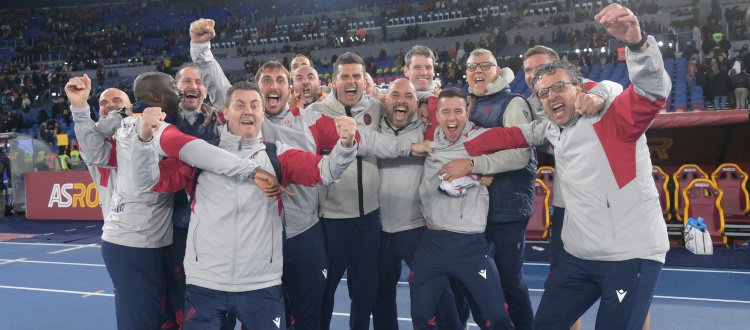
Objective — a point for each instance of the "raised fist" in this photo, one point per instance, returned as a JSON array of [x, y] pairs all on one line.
[[202, 30], [152, 118], [620, 22], [347, 128], [78, 90]]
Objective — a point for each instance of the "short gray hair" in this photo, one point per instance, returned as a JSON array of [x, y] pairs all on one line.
[[419, 50], [551, 68], [482, 51]]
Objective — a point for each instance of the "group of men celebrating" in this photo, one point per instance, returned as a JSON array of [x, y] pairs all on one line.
[[218, 217]]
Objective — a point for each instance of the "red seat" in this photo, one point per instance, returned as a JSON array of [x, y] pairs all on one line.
[[381, 80], [684, 175], [547, 175], [389, 79], [736, 204], [537, 230], [660, 180], [703, 199]]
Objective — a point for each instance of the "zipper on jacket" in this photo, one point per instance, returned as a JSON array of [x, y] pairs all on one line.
[[195, 238], [360, 187]]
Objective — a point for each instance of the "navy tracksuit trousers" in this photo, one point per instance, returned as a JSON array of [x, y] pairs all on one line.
[[140, 285], [175, 254], [626, 289], [352, 243], [395, 247], [305, 275], [509, 241], [555, 237], [443, 254], [206, 309]]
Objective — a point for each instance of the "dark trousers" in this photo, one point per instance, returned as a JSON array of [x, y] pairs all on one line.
[[305, 274], [508, 240], [443, 254], [352, 243], [259, 309], [625, 288], [138, 276], [395, 247], [555, 237], [175, 256]]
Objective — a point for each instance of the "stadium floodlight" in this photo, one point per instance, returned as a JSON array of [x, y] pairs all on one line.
[[670, 45], [578, 51], [660, 43], [602, 50]]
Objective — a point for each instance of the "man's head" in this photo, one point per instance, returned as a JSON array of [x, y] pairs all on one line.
[[298, 61], [157, 89], [244, 110], [349, 78], [452, 112], [557, 85], [533, 58], [273, 80], [191, 86], [306, 83], [112, 99], [481, 70], [420, 67], [401, 103]]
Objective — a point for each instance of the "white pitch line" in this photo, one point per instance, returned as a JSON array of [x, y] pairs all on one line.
[[57, 263], [92, 226], [71, 249], [56, 291], [44, 244], [671, 269], [47, 234], [10, 261], [400, 318], [70, 230]]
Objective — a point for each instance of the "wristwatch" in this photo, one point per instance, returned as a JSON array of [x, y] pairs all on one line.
[[637, 47], [472, 163], [252, 174]]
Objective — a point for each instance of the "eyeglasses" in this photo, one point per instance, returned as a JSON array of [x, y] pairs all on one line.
[[486, 66], [556, 87]]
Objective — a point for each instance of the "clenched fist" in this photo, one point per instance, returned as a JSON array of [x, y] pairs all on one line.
[[152, 118], [347, 128], [588, 104], [78, 90], [202, 30]]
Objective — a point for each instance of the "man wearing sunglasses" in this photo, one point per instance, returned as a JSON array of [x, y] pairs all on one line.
[[615, 238]]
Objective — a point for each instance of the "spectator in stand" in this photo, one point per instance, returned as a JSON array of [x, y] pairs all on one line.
[[741, 82], [721, 85], [692, 70]]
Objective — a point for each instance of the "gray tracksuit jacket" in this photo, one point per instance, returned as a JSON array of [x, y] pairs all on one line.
[[466, 213], [400, 208], [137, 218], [604, 167], [234, 238]]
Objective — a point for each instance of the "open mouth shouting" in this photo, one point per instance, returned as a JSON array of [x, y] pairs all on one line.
[[272, 99], [400, 112], [558, 110], [452, 128], [306, 91], [479, 82]]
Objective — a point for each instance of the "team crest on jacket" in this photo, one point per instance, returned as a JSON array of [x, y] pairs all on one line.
[[287, 123], [368, 119]]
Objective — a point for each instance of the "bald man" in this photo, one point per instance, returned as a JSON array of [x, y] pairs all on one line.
[[400, 213]]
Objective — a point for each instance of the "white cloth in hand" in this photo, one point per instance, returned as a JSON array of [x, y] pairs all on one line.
[[458, 187]]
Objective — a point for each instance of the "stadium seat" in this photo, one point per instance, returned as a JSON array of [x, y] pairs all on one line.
[[703, 199], [736, 204], [661, 180], [537, 230], [684, 175], [547, 175]]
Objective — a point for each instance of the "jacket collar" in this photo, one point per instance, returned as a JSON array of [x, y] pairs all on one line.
[[277, 119], [230, 141]]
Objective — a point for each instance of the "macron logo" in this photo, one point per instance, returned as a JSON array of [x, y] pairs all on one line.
[[621, 294], [325, 273], [483, 273], [277, 322]]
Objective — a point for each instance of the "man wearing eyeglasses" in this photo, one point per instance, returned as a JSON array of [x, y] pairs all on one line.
[[615, 238], [511, 192]]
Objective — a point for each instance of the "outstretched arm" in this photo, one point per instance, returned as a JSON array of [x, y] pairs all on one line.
[[217, 84], [95, 149]]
